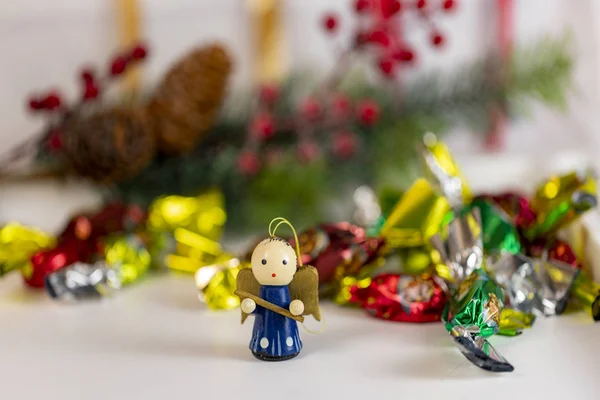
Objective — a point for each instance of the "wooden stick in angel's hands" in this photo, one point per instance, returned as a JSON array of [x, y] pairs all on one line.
[[269, 306]]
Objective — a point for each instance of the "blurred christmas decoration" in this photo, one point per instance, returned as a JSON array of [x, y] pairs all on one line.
[[188, 99], [300, 138]]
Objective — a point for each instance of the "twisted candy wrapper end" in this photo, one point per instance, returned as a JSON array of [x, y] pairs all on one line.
[[442, 168], [473, 315], [461, 252]]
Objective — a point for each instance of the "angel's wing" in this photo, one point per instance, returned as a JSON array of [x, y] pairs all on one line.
[[247, 282], [305, 287]]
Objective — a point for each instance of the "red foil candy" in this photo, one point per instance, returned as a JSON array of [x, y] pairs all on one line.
[[402, 298], [81, 240], [516, 206], [337, 250], [553, 250]]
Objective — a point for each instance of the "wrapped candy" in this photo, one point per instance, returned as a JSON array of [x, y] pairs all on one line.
[[533, 284], [461, 252], [80, 281], [187, 230], [472, 316], [80, 241], [516, 206], [498, 232], [587, 293], [416, 217], [217, 283], [402, 298], [342, 254], [560, 200], [128, 255], [18, 243]]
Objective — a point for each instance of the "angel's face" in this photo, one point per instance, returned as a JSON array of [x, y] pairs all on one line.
[[274, 262]]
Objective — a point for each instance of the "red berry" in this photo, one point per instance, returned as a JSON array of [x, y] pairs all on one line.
[[344, 144], [310, 108], [307, 151], [341, 106], [139, 52], [91, 91], [87, 75], [379, 37], [421, 4], [386, 66], [55, 141], [437, 39], [35, 104], [360, 6], [390, 7], [330, 23], [118, 65], [404, 55], [449, 5], [368, 112], [268, 94], [263, 127], [249, 163], [52, 101]]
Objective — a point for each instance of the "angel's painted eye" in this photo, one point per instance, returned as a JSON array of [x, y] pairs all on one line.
[[284, 262], [264, 261]]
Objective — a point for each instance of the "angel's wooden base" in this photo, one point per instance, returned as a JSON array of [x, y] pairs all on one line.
[[265, 357]]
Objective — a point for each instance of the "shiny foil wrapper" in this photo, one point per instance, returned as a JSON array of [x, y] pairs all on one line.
[[189, 229], [402, 298], [416, 217], [533, 284], [81, 281], [498, 231], [516, 206], [513, 322], [586, 292], [443, 170], [18, 243], [553, 250], [473, 315], [461, 252], [128, 255], [216, 283], [560, 200], [338, 251]]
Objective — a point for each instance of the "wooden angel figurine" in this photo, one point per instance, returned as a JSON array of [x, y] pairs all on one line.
[[278, 293]]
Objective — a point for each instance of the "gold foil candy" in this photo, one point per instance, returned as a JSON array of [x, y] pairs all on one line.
[[216, 283], [127, 254], [18, 243], [560, 200], [444, 170], [204, 214], [416, 217], [512, 322]]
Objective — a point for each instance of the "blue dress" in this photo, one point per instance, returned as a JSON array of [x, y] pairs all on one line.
[[274, 336]]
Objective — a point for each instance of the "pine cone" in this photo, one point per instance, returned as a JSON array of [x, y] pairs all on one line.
[[109, 146], [188, 99]]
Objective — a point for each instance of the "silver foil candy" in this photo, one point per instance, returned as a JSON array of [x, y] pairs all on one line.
[[81, 281], [462, 251], [533, 284]]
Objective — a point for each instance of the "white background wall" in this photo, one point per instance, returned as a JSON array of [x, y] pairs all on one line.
[[44, 43]]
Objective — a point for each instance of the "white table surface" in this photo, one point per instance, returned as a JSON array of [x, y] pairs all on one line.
[[155, 340]]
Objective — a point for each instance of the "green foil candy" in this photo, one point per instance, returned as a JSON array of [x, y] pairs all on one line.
[[473, 315]]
